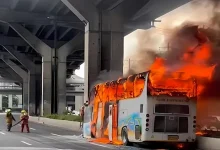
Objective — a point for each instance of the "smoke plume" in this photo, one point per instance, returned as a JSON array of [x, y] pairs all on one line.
[[180, 34], [153, 42]]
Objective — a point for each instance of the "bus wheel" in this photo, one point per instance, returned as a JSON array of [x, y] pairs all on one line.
[[124, 137]]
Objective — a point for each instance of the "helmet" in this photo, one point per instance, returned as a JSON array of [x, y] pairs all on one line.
[[8, 110], [23, 111]]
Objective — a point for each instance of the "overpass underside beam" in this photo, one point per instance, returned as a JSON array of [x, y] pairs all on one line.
[[104, 40]]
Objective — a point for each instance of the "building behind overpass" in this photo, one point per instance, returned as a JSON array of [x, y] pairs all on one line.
[[74, 92], [10, 95]]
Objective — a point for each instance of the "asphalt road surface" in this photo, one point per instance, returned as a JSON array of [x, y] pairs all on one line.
[[42, 137]]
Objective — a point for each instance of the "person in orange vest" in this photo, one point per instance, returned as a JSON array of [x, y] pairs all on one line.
[[24, 119], [9, 119], [82, 115]]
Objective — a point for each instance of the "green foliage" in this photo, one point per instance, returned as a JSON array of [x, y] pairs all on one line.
[[66, 112], [64, 117]]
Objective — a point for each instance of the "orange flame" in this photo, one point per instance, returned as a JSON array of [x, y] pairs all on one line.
[[175, 77], [163, 79]]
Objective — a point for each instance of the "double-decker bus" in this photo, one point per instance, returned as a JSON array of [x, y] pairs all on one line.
[[133, 110]]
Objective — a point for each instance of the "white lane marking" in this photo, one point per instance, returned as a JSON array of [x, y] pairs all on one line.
[[30, 128], [2, 133], [26, 143], [55, 134], [101, 145]]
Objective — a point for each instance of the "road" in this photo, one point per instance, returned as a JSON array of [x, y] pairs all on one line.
[[42, 137]]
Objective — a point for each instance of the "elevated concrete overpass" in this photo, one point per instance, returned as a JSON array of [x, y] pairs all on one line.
[[43, 41]]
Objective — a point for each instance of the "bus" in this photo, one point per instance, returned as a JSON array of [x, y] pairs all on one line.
[[132, 110]]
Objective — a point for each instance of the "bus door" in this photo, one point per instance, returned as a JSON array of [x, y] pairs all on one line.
[[113, 122], [110, 123], [99, 121]]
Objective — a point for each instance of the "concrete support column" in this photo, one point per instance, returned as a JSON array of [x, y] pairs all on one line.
[[92, 60], [0, 101], [61, 87], [63, 52], [46, 87], [25, 95], [25, 77], [104, 39], [31, 72], [19, 100], [32, 97], [46, 52], [10, 100]]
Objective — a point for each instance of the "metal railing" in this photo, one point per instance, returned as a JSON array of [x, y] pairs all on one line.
[[10, 88]]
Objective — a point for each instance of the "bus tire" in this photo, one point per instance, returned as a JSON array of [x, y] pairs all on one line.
[[124, 137]]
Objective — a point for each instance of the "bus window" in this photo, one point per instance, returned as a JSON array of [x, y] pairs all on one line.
[[183, 125], [130, 86], [139, 83], [159, 124], [121, 89], [171, 109], [112, 91], [105, 93]]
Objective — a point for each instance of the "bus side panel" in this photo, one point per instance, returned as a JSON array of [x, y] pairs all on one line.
[[128, 116], [132, 114]]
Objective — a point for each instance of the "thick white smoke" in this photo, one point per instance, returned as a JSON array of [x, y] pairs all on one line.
[[142, 46]]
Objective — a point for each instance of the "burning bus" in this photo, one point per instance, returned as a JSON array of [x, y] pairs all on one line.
[[141, 109]]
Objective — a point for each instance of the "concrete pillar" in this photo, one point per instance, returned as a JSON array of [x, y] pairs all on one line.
[[61, 86], [31, 71], [92, 60], [25, 77], [46, 87], [78, 102], [104, 39], [63, 52], [92, 38], [46, 52], [19, 100], [10, 100], [32, 95], [0, 101]]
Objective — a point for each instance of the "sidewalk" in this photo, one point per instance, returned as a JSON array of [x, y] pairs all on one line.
[[70, 125]]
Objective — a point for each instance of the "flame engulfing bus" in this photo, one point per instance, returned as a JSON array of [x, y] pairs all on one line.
[[137, 109]]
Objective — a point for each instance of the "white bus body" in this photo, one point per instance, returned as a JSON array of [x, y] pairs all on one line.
[[157, 118]]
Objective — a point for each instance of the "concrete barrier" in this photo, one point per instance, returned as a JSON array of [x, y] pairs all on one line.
[[208, 143], [70, 125]]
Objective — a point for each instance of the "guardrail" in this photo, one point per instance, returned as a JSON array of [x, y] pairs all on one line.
[[10, 88]]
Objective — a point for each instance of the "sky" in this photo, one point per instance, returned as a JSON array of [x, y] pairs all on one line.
[[174, 18]]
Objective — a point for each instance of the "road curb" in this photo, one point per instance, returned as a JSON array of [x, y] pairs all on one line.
[[70, 125]]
